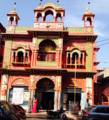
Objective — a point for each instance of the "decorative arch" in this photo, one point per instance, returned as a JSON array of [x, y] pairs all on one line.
[[19, 80], [21, 50], [106, 92], [51, 46], [49, 9], [23, 46], [46, 82], [46, 77], [77, 83], [76, 51], [39, 15], [44, 40], [58, 15]]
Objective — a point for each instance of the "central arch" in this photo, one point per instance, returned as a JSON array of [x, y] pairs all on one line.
[[45, 93]]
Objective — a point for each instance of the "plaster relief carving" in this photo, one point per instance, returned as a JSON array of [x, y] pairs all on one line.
[[5, 79], [32, 81]]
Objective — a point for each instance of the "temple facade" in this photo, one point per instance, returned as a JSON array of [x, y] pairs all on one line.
[[49, 62]]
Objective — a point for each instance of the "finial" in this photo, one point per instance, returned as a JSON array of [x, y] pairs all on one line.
[[58, 3], [88, 7], [40, 3], [14, 6], [50, 1]]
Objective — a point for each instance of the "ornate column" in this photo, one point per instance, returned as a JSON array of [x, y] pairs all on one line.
[[60, 59], [59, 100], [60, 48], [79, 58], [32, 58], [56, 101], [4, 86], [59, 88], [32, 88], [71, 58], [34, 41], [83, 59], [89, 89]]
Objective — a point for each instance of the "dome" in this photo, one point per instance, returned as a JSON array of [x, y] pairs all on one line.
[[49, 5], [40, 8], [59, 8], [88, 12], [13, 12]]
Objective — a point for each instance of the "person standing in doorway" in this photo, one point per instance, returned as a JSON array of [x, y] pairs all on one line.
[[34, 110], [87, 103]]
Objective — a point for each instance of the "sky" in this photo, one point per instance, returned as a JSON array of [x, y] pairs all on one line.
[[74, 10]]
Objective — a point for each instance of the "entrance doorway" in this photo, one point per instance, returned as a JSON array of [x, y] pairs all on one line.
[[48, 100], [70, 97], [45, 93]]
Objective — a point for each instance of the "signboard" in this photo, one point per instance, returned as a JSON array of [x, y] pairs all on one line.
[[26, 96], [18, 94]]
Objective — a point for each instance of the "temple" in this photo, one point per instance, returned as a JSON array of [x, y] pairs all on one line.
[[49, 62]]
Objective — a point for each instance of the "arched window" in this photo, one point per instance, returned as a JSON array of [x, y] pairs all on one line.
[[81, 59], [58, 17], [39, 16], [47, 50], [75, 58], [48, 16], [20, 56], [14, 57], [11, 20], [88, 21], [68, 58]]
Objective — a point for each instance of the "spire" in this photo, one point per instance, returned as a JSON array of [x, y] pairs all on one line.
[[40, 3], [14, 7], [58, 3], [50, 1], [88, 6]]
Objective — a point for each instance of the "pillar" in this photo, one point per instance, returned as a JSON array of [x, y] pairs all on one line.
[[32, 58], [90, 90], [4, 86], [59, 100], [71, 58], [62, 99], [56, 101], [83, 100], [60, 59], [31, 100], [29, 103]]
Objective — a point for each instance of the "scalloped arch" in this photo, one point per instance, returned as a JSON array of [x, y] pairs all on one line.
[[45, 78], [15, 80], [44, 40], [80, 85], [51, 9]]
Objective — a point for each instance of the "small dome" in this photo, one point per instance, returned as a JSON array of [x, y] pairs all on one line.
[[88, 12], [40, 8], [13, 12], [59, 8], [49, 5]]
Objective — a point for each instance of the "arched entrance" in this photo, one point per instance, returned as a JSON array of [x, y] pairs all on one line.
[[45, 93]]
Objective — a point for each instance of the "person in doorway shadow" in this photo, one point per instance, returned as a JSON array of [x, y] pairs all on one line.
[[35, 106]]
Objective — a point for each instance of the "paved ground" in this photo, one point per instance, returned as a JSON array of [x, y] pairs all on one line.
[[42, 116], [45, 119]]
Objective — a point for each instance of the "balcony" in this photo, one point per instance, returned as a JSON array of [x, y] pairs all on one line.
[[46, 63], [23, 61]]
